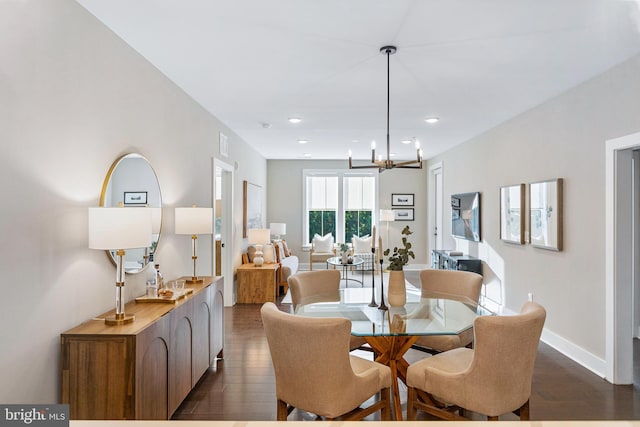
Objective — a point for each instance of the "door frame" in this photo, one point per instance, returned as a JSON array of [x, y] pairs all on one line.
[[435, 196], [619, 247], [227, 230]]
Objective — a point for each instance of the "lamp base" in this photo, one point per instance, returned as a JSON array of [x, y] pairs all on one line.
[[119, 319], [194, 281]]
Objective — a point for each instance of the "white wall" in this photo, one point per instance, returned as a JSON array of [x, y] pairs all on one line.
[[73, 98], [562, 138], [285, 189]]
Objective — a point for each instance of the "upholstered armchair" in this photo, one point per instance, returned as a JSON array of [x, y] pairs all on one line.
[[492, 379], [451, 284], [315, 372], [321, 249]]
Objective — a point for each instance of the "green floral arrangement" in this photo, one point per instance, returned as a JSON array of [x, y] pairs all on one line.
[[400, 256], [344, 247]]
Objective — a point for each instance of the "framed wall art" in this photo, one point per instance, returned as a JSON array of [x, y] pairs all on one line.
[[545, 214], [401, 199], [135, 197], [403, 214], [512, 213], [251, 207]]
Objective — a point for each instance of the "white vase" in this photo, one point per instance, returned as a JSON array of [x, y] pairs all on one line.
[[397, 293], [345, 257]]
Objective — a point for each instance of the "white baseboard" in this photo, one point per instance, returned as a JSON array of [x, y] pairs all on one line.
[[569, 349], [578, 354]]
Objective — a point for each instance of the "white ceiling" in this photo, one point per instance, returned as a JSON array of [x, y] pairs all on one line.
[[473, 63]]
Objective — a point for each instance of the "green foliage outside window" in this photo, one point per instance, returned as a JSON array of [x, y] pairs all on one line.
[[356, 223], [322, 222]]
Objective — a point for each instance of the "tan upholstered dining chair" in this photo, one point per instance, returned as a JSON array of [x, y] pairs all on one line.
[[452, 284], [492, 379], [314, 371], [315, 286]]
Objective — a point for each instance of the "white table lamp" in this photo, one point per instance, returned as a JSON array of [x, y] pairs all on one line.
[[258, 237], [278, 229], [194, 221], [119, 229]]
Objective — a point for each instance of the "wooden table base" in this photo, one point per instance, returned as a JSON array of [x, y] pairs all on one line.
[[390, 351]]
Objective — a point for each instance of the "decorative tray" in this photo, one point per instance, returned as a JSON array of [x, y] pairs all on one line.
[[177, 295]]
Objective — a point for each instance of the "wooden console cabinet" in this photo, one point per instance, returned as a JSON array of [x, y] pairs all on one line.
[[143, 370], [257, 285]]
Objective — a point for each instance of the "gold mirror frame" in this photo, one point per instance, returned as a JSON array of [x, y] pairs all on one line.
[[132, 182]]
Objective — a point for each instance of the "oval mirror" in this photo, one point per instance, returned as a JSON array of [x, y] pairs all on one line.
[[132, 182]]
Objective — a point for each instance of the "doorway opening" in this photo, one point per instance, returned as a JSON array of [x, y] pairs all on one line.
[[622, 248], [224, 238]]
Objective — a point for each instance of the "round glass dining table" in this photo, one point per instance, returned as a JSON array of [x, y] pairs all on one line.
[[392, 332]]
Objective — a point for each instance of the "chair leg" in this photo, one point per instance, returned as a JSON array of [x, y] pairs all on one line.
[[282, 411], [523, 412], [492, 418], [411, 409], [385, 412]]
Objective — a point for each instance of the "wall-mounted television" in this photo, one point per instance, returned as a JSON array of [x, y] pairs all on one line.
[[465, 216]]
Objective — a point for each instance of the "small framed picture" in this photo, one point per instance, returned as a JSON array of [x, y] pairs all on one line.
[[403, 214], [402, 200], [135, 197]]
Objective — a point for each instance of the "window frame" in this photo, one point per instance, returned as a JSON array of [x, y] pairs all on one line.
[[340, 214]]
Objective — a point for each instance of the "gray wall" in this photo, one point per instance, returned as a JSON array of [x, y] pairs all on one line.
[[562, 138], [73, 98], [285, 204]]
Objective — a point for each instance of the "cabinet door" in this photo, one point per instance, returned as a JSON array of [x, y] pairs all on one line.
[[217, 320], [180, 367], [152, 371], [201, 323]]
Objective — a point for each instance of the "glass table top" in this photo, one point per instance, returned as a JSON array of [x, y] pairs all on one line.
[[437, 314], [337, 261]]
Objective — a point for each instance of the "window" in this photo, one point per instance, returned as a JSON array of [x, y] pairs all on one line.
[[359, 204], [338, 202], [322, 205]]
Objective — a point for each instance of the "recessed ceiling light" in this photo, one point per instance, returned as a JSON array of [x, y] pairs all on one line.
[[295, 119], [355, 140], [432, 120], [406, 141], [302, 141], [307, 155], [265, 125]]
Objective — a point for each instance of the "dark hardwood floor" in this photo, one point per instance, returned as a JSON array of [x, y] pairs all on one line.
[[241, 387]]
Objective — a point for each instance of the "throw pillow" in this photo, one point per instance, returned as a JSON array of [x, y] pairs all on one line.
[[269, 254], [323, 244], [279, 247], [251, 252], [286, 249], [361, 245]]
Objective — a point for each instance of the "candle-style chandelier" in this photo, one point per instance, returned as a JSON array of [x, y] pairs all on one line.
[[379, 163]]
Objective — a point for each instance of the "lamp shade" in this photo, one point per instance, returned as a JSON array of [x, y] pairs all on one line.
[[259, 236], [278, 228], [194, 221], [387, 215], [119, 228]]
